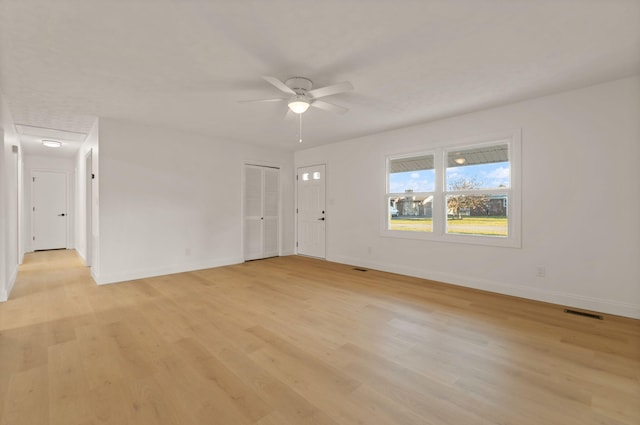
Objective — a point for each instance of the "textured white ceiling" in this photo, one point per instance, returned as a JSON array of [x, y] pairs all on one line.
[[186, 64]]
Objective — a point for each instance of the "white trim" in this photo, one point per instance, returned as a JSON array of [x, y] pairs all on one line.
[[104, 279], [12, 281], [5, 292], [554, 297], [88, 208]]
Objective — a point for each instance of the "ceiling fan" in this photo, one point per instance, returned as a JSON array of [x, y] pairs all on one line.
[[301, 96]]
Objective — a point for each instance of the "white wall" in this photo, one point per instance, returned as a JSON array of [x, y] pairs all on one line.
[[10, 169], [580, 201], [171, 202], [34, 163]]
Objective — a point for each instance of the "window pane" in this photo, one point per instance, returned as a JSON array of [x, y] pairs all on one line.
[[485, 167], [411, 213], [485, 215], [413, 174]]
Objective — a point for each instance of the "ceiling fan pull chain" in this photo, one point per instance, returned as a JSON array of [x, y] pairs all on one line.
[[300, 141]]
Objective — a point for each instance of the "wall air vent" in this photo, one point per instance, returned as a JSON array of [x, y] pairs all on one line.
[[584, 314]]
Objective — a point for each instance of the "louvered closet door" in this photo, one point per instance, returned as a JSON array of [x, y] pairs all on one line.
[[271, 180], [261, 212]]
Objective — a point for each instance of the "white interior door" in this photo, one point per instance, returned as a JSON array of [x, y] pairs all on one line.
[[50, 218], [261, 212], [311, 211]]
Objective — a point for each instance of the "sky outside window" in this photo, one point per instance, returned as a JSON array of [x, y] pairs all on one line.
[[416, 181], [487, 176]]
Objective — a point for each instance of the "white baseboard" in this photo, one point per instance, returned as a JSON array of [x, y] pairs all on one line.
[[82, 255], [12, 281], [554, 297], [107, 278], [6, 292]]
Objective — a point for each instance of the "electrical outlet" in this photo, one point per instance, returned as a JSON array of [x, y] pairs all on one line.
[[541, 271]]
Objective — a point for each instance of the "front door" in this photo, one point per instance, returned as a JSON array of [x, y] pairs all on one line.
[[49, 210], [311, 211]]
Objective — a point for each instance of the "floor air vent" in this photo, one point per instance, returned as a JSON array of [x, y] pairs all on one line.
[[582, 313], [359, 269]]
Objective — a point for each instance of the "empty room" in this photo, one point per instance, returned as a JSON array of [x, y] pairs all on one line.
[[298, 212]]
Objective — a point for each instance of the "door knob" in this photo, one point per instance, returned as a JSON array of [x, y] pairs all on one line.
[[322, 219], [61, 215]]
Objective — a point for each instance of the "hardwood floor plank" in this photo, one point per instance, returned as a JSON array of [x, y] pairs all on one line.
[[26, 400], [284, 399], [147, 404], [68, 387], [296, 341], [214, 371], [108, 403]]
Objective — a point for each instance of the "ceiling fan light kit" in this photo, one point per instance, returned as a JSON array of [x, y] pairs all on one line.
[[299, 104]]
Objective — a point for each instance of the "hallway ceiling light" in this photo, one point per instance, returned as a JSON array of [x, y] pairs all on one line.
[[51, 143]]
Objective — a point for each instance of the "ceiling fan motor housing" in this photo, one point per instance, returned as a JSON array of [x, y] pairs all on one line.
[[300, 85]]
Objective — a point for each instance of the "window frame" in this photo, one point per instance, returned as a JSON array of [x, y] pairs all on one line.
[[513, 140], [433, 153]]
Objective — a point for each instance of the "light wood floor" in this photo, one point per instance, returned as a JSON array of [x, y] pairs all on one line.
[[294, 341]]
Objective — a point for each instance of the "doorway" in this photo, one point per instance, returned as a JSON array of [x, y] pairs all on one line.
[[49, 209], [311, 211]]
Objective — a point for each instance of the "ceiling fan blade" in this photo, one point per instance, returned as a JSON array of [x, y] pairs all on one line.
[[320, 104], [329, 90], [278, 84], [278, 99]]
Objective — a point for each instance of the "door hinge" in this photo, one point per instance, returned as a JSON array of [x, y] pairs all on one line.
[[34, 238], [296, 211], [34, 208], [296, 177], [296, 243], [34, 179]]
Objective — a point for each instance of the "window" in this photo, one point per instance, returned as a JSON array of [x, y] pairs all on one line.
[[459, 193], [411, 189], [477, 183]]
